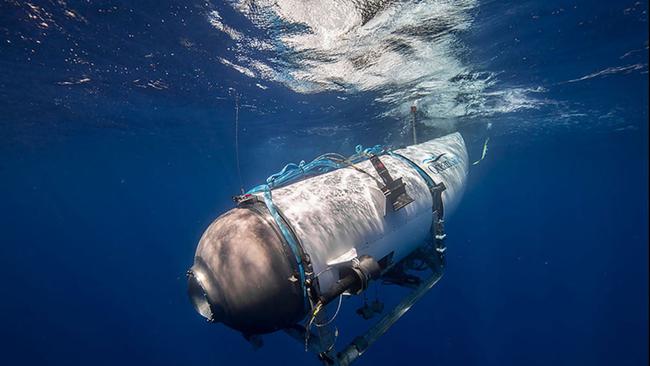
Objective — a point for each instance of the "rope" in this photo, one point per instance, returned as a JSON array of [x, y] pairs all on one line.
[[241, 184], [312, 321], [413, 123], [322, 164], [314, 313], [338, 307]]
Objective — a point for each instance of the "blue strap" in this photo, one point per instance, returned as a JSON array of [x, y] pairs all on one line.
[[430, 183], [293, 172], [289, 238]]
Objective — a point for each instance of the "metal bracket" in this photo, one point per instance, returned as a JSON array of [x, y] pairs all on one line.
[[360, 344], [394, 189], [321, 343], [245, 198]]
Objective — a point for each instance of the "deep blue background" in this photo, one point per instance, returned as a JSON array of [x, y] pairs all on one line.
[[106, 188]]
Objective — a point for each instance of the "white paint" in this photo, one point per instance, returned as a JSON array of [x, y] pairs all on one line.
[[344, 211]]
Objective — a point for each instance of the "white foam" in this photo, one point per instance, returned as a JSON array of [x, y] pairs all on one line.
[[407, 52], [216, 21], [244, 70]]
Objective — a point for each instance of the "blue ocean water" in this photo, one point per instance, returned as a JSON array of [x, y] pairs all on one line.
[[117, 149]]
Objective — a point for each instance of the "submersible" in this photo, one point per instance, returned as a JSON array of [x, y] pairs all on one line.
[[287, 250]]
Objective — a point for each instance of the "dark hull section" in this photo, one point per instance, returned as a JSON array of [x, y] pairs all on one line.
[[245, 275]]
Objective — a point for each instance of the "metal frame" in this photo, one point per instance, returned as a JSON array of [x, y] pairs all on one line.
[[322, 344], [432, 254]]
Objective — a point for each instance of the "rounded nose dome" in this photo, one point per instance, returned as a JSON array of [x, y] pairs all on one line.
[[244, 275]]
